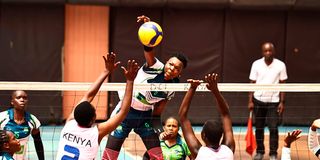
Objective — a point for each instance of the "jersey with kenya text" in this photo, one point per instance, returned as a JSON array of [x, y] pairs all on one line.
[[77, 142]]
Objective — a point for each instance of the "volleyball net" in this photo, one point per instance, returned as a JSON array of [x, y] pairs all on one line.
[[51, 102]]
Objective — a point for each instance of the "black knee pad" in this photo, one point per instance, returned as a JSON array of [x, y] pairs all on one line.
[[151, 141], [114, 143]]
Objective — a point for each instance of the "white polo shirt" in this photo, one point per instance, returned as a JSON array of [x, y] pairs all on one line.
[[268, 74]]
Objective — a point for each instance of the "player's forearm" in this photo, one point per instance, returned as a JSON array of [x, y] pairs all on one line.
[[184, 107], [313, 142], [285, 153], [39, 146], [94, 88], [222, 104], [149, 55], [126, 102]]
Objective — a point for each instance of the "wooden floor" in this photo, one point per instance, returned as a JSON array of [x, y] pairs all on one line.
[[299, 149], [133, 148]]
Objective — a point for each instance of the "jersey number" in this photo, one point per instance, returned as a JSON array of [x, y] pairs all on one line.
[[73, 150]]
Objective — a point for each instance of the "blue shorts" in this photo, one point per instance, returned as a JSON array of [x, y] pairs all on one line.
[[139, 121]]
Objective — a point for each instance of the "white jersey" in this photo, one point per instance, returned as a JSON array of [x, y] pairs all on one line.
[[144, 100], [222, 153], [313, 142], [78, 143], [268, 74]]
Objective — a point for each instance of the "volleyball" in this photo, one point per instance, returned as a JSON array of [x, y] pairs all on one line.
[[150, 34]]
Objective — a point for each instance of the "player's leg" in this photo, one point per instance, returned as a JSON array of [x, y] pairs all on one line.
[[113, 147], [152, 144], [273, 122], [150, 139]]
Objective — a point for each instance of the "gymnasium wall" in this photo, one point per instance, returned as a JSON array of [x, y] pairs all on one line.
[[227, 41], [223, 38], [86, 41], [31, 40]]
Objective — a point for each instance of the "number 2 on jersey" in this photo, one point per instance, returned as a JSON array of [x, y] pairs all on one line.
[[73, 150]]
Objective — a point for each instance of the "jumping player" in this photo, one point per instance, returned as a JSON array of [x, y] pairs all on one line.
[[22, 124], [79, 138], [213, 130], [146, 105]]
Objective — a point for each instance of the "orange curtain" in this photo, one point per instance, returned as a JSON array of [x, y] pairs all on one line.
[[86, 41]]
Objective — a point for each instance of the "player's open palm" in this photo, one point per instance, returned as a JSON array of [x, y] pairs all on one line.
[[110, 61], [292, 136], [131, 71], [194, 83], [212, 81]]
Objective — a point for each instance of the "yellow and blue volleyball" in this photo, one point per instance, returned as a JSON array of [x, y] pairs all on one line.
[[150, 34]]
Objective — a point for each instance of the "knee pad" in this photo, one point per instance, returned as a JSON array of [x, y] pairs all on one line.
[[155, 153], [151, 141], [114, 143], [109, 154]]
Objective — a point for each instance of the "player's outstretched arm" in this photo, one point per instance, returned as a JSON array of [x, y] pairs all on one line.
[[130, 73], [192, 141], [110, 65], [313, 142], [38, 143], [290, 137], [148, 51], [223, 108]]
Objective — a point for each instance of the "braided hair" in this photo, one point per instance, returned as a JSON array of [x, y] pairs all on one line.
[[4, 138]]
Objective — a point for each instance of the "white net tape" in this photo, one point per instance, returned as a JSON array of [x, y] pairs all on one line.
[[225, 87]]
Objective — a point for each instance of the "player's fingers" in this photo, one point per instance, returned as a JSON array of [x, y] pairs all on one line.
[[124, 69], [189, 80], [215, 76], [104, 58], [210, 78], [112, 56], [117, 63], [136, 66], [132, 62]]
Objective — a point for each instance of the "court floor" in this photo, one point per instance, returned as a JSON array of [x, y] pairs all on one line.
[[133, 148]]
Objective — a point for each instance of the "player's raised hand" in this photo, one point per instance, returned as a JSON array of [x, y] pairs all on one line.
[[110, 61], [131, 71], [291, 137], [212, 81], [143, 19], [194, 83]]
